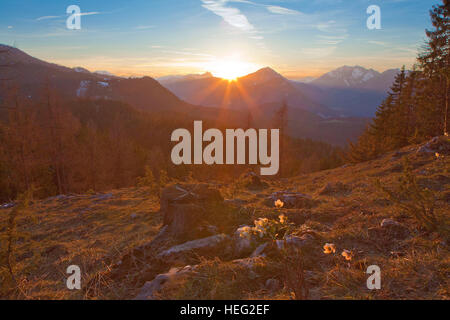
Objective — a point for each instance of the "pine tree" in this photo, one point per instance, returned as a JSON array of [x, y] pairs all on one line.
[[417, 106], [435, 62]]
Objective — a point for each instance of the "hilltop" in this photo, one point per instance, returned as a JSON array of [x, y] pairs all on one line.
[[129, 243], [257, 96]]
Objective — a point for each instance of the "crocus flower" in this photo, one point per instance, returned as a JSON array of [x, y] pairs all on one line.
[[348, 255], [279, 204], [329, 248]]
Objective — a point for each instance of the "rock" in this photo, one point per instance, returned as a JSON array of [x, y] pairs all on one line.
[[188, 209], [273, 285], [151, 288], [183, 221], [260, 251], [440, 145], [337, 188], [295, 241], [291, 200], [189, 193], [249, 263], [292, 241], [424, 149], [243, 246], [7, 205], [103, 197], [388, 223], [209, 247]]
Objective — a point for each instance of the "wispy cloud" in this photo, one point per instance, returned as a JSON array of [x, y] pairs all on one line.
[[10, 27], [87, 13], [47, 18], [331, 26], [77, 14], [331, 39], [271, 8], [281, 10], [144, 27], [230, 15]]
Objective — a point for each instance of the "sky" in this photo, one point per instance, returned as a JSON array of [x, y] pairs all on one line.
[[298, 38]]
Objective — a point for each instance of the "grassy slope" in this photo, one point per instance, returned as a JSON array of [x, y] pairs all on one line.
[[95, 234]]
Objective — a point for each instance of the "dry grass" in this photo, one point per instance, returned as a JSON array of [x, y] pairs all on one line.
[[78, 230], [95, 234]]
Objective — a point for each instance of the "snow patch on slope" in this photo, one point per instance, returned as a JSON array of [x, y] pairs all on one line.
[[82, 90]]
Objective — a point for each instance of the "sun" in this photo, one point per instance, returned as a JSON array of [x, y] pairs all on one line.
[[231, 68]]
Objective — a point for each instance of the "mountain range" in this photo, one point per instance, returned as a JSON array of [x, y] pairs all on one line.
[[32, 75], [344, 92], [262, 87], [197, 97]]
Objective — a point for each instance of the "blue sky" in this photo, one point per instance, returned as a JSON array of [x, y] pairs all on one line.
[[159, 37]]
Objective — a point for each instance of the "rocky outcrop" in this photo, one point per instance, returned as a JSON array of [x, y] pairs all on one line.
[[151, 288], [179, 194], [295, 241], [7, 205], [188, 252], [190, 209], [243, 246], [439, 145], [190, 212], [290, 241]]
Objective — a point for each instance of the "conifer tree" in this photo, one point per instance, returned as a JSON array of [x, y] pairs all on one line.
[[435, 63], [416, 108]]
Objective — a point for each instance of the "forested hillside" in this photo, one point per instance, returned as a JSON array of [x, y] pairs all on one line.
[[417, 106]]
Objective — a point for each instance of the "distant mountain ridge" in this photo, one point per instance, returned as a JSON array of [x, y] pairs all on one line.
[[176, 78], [259, 94], [261, 87], [353, 91], [344, 92], [357, 77], [31, 75]]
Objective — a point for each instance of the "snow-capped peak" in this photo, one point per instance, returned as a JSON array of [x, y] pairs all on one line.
[[347, 76]]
